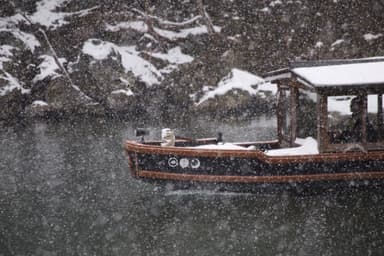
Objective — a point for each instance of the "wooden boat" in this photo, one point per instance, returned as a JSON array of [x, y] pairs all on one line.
[[307, 94]]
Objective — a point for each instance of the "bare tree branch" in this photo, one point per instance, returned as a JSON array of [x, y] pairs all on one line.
[[149, 21], [167, 22]]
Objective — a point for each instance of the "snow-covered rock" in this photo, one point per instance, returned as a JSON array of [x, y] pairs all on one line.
[[62, 97], [239, 80], [12, 104], [120, 100], [38, 108], [237, 93]]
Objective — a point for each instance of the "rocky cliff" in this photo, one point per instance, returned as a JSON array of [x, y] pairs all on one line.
[[155, 58]]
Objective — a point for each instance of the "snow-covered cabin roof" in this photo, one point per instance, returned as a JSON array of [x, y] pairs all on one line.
[[335, 73]]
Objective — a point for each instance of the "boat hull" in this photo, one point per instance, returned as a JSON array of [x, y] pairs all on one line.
[[251, 168]]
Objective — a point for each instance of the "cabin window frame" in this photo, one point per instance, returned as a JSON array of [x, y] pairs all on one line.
[[323, 129], [287, 121], [283, 127], [287, 135]]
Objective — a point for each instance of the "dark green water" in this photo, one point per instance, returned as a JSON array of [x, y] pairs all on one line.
[[65, 190]]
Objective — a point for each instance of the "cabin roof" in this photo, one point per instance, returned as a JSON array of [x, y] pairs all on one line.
[[334, 73]]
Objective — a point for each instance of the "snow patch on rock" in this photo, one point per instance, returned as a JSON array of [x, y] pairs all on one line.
[[126, 92], [12, 84], [370, 37], [48, 68], [132, 61], [239, 79], [47, 15], [39, 103], [141, 27]]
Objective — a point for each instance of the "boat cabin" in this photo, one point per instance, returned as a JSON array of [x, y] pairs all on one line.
[[339, 102]]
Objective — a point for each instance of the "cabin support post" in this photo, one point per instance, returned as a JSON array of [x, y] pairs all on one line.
[[380, 115], [280, 113], [322, 122], [364, 122], [293, 114]]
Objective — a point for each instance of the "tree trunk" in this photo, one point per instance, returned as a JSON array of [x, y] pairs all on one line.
[[205, 17]]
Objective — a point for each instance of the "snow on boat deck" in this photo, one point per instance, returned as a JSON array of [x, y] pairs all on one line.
[[308, 146]]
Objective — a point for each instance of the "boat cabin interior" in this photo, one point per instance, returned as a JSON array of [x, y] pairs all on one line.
[[338, 102]]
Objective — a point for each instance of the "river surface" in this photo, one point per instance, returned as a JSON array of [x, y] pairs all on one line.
[[65, 190]]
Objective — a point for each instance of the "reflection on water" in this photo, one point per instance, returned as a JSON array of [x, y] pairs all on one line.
[[65, 190]]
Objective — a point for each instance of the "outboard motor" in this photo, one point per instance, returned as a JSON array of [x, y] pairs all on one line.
[[141, 132], [219, 138]]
